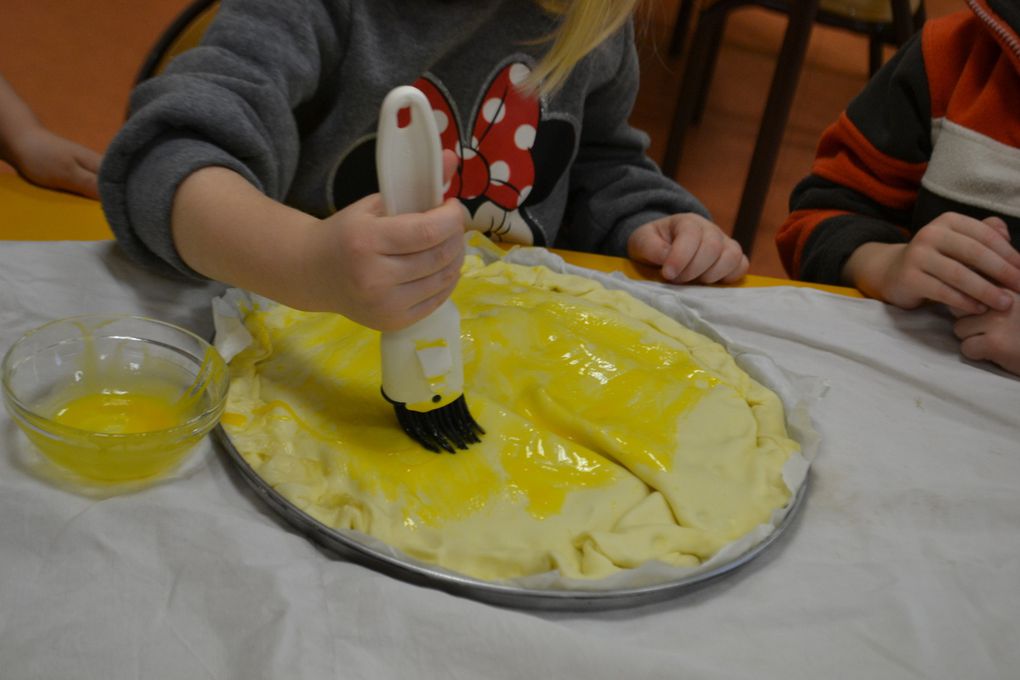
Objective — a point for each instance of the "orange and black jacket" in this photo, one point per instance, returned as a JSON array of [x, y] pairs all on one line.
[[936, 130]]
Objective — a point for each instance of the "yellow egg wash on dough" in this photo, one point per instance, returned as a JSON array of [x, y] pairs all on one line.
[[379, 459], [614, 435], [429, 488], [572, 367]]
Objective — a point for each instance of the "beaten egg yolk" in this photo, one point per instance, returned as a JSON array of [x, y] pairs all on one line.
[[120, 413], [114, 435]]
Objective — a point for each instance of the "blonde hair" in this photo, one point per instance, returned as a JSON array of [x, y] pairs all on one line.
[[585, 24]]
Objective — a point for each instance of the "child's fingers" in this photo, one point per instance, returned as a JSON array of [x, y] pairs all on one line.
[[402, 304], [416, 298], [967, 282], [83, 181], [647, 246], [999, 225], [975, 348], [726, 261], [732, 266], [88, 159], [979, 347], [420, 310], [686, 247], [989, 337], [74, 178], [935, 289], [682, 251], [414, 268], [969, 326], [418, 232], [708, 253], [980, 246], [957, 312]]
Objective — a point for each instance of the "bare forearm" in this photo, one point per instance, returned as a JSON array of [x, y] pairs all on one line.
[[15, 120], [383, 272], [228, 230]]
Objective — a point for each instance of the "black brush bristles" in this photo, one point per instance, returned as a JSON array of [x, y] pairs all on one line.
[[446, 428]]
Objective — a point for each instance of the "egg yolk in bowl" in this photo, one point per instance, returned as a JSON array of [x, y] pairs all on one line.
[[114, 401]]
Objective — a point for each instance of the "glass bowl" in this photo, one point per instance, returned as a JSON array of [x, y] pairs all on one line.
[[114, 398]]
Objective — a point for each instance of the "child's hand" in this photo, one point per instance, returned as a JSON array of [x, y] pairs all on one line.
[[46, 159], [382, 272], [957, 260], [387, 272], [689, 249], [992, 336]]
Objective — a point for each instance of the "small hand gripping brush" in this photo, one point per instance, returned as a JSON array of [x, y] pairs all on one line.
[[422, 368]]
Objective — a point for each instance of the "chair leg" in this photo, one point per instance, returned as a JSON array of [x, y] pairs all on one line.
[[681, 27], [903, 26], [902, 20], [690, 86], [875, 45], [920, 17], [777, 112], [711, 59]]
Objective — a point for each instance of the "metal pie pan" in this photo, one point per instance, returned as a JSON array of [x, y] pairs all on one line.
[[349, 547]]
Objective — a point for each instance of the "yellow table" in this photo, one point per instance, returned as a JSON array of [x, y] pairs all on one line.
[[29, 213], [633, 270]]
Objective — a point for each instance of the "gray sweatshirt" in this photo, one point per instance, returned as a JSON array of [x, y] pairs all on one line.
[[287, 94]]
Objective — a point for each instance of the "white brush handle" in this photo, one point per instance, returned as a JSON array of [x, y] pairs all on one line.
[[408, 156], [422, 366]]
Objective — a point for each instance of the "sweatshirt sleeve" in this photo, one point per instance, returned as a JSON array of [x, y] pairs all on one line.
[[228, 102], [614, 186], [866, 175]]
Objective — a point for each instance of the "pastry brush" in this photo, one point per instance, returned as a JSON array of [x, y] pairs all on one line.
[[422, 367]]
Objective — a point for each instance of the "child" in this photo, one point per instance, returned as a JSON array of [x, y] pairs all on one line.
[[913, 194], [250, 160], [40, 156]]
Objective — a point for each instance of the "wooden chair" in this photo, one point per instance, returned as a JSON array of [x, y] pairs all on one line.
[[184, 33], [882, 21]]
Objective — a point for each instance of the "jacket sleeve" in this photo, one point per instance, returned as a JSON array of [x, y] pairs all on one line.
[[614, 186], [866, 175], [228, 102]]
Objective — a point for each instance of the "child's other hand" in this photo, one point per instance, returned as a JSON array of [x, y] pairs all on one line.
[[49, 160], [992, 336], [385, 272], [965, 263], [689, 249]]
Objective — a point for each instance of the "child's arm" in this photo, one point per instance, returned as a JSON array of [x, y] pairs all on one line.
[[229, 102], [850, 217], [39, 155], [866, 176], [197, 178], [383, 272]]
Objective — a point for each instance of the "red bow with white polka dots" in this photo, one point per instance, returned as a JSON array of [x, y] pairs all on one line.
[[495, 163]]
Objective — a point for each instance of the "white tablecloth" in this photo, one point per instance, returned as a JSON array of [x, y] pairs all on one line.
[[904, 561]]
